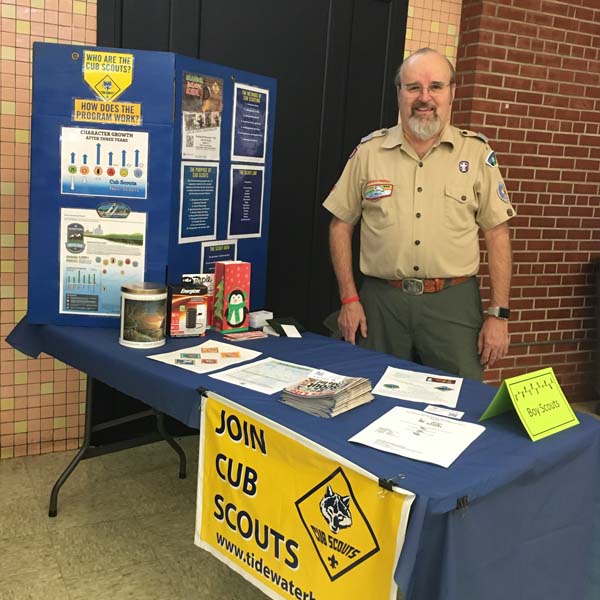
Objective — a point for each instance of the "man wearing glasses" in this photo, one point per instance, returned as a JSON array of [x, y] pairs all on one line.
[[422, 190]]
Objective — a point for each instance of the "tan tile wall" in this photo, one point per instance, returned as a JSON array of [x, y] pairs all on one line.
[[41, 400], [433, 24]]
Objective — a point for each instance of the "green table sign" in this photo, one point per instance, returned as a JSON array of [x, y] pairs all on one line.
[[539, 402]]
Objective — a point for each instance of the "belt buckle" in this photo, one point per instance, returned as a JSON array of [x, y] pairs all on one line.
[[412, 286]]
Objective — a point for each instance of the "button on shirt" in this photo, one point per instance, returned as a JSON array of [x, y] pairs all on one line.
[[421, 216]]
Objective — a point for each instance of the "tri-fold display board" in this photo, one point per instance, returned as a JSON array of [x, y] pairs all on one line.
[[144, 166]]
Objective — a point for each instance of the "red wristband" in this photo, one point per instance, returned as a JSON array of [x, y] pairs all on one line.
[[350, 300]]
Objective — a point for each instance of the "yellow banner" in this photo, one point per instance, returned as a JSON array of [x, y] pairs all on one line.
[[290, 516], [115, 113], [109, 74]]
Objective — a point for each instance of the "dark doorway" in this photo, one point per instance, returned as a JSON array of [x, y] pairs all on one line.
[[334, 62]]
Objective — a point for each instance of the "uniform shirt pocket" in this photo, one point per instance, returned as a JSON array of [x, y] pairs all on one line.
[[380, 213], [459, 206]]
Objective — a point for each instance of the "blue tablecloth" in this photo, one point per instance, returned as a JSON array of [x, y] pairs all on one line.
[[530, 525]]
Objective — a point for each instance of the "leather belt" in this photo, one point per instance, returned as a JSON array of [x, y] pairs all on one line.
[[416, 287]]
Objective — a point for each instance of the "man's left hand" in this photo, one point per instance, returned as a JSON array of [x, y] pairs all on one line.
[[492, 344]]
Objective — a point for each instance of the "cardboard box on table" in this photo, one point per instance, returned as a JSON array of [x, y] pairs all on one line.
[[108, 133], [232, 296], [188, 310], [203, 280]]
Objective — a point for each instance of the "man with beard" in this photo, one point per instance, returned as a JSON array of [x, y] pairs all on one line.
[[422, 190]]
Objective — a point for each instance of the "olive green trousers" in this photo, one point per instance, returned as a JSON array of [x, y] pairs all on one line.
[[437, 329]]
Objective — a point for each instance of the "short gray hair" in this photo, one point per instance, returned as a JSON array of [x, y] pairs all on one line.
[[398, 74]]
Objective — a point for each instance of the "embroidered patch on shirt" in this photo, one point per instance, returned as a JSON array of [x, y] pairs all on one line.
[[491, 160], [463, 166], [376, 190], [502, 192]]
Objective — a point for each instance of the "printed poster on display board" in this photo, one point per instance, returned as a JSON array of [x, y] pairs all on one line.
[[104, 162], [202, 108], [198, 202], [100, 250], [213, 252], [108, 74], [246, 201], [250, 115]]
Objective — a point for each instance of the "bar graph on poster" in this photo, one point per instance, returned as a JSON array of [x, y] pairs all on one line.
[[104, 162], [97, 256]]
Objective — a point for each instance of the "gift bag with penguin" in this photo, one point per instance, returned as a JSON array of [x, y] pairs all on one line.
[[232, 295]]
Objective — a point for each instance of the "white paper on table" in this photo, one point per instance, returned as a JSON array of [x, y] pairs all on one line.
[[444, 412], [268, 375], [419, 435], [290, 331], [419, 387], [198, 366]]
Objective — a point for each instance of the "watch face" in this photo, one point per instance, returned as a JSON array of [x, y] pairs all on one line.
[[499, 311]]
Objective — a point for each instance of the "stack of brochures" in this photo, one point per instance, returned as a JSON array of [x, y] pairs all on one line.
[[326, 394]]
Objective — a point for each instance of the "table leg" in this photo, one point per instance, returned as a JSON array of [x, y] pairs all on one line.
[[160, 425], [86, 451], [87, 436]]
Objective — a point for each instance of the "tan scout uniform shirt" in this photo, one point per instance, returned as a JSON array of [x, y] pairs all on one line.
[[420, 217]]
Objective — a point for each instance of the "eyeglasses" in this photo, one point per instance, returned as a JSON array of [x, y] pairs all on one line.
[[414, 89]]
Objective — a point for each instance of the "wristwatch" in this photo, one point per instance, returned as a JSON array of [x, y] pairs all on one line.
[[499, 311]]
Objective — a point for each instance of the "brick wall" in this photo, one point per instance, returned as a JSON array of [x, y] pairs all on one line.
[[529, 78]]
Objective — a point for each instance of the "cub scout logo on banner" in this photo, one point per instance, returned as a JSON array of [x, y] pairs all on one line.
[[109, 74], [336, 525], [293, 518], [378, 189]]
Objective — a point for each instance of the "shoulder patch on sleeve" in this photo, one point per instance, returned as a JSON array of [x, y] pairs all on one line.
[[374, 134], [475, 134], [491, 160]]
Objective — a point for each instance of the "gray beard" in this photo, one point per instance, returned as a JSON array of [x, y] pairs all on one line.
[[424, 129]]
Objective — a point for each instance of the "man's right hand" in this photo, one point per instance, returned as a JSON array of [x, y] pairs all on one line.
[[352, 316]]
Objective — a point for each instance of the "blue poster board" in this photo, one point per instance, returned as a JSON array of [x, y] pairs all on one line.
[[131, 162]]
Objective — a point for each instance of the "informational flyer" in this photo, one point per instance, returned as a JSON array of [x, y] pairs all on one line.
[[268, 375], [198, 202], [104, 162], [202, 107], [419, 435], [99, 254], [250, 116], [246, 201], [213, 252], [419, 387]]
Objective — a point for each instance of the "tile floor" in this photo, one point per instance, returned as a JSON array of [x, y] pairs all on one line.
[[124, 530]]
